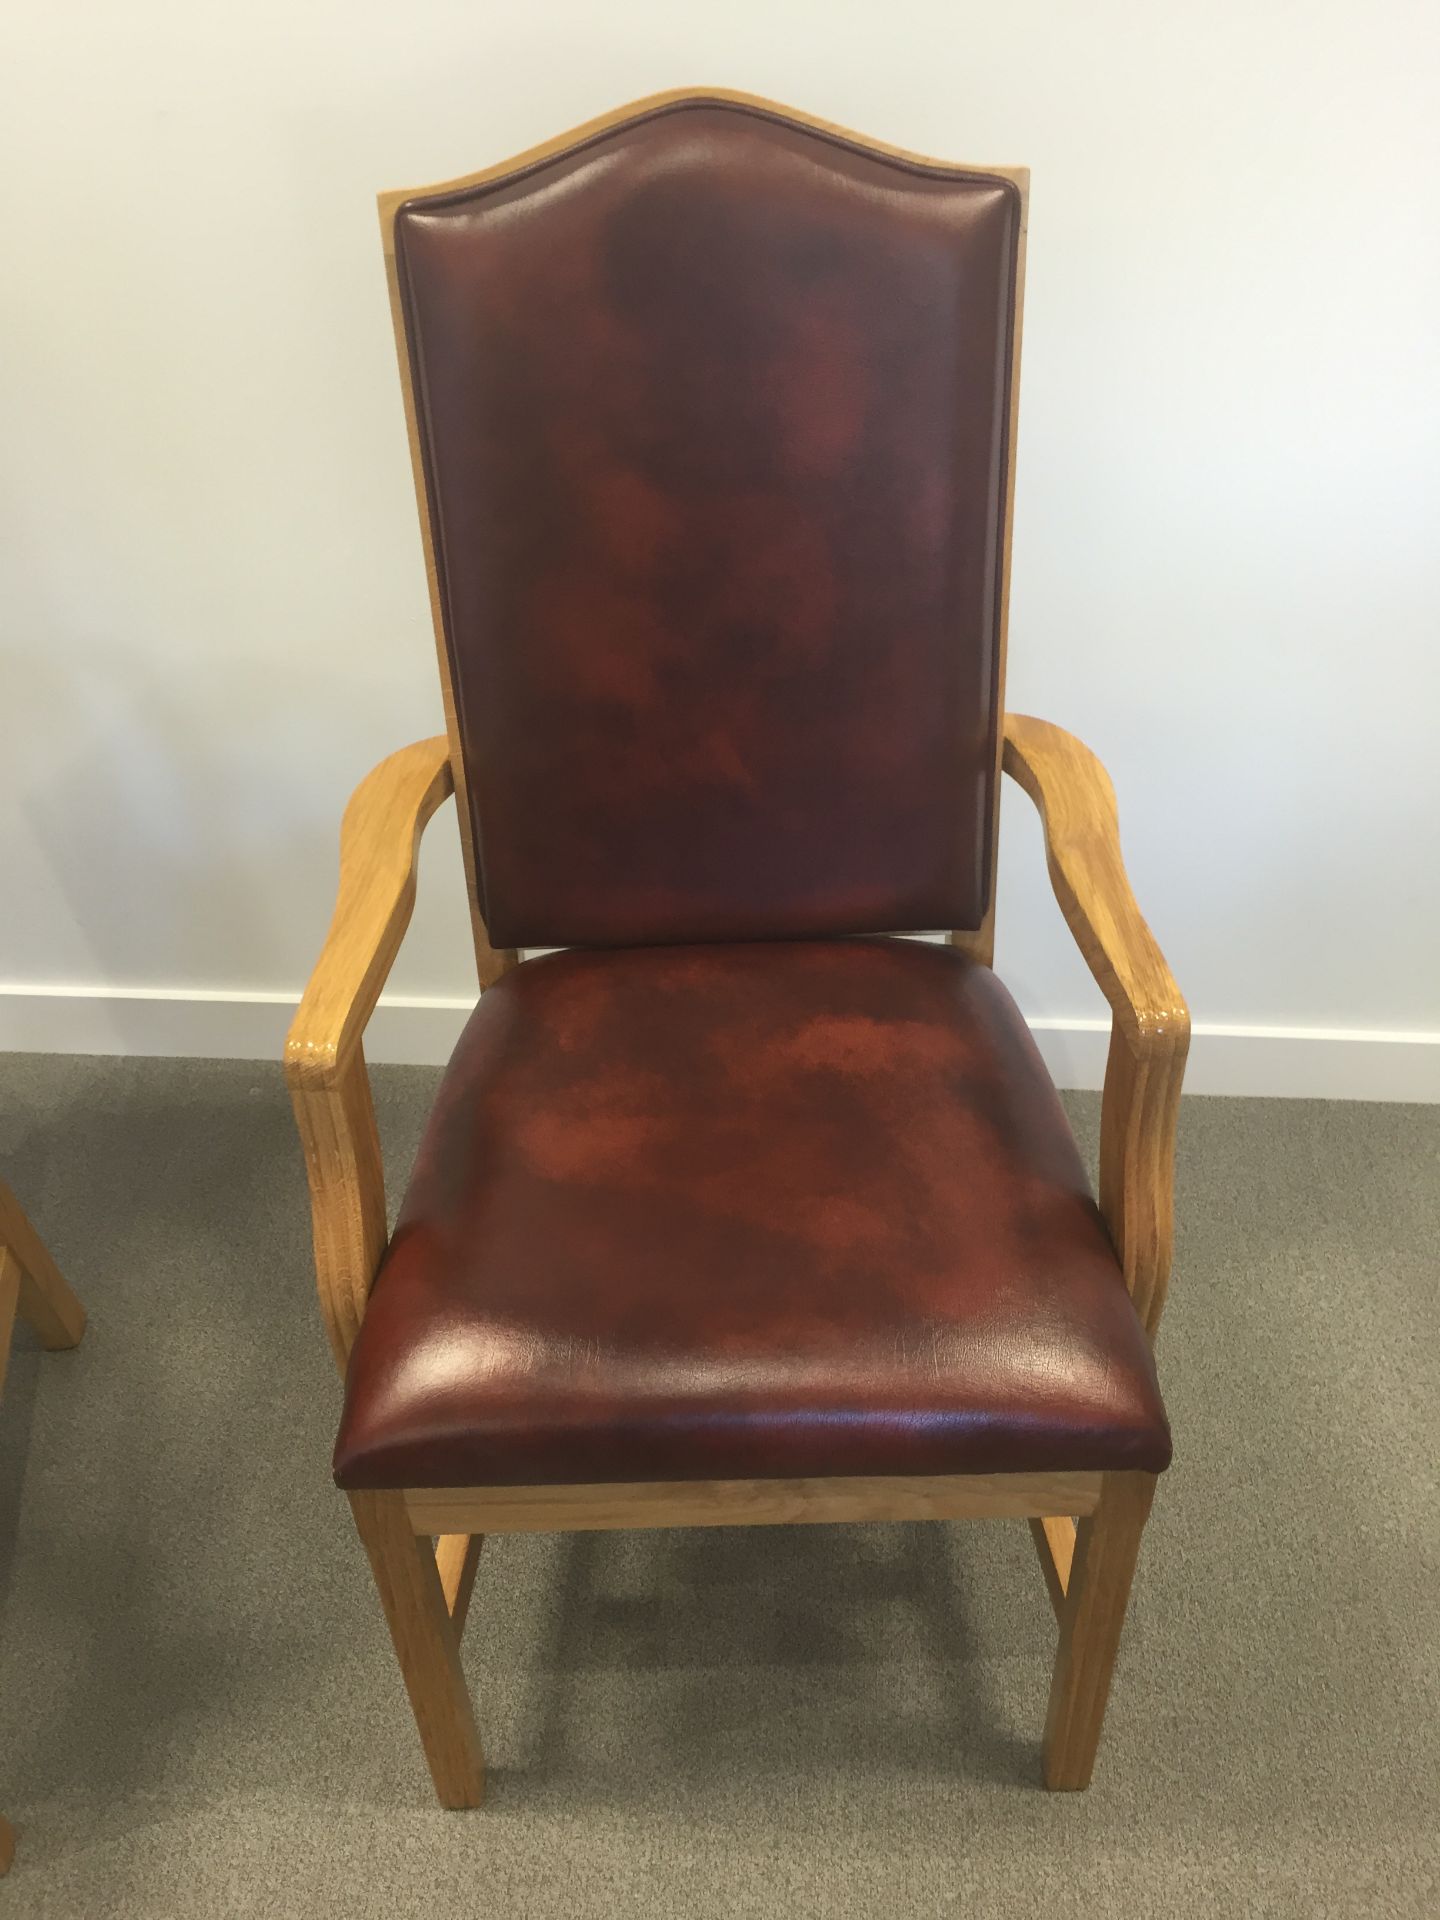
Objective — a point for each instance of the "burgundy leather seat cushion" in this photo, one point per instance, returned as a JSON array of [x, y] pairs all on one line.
[[743, 1211]]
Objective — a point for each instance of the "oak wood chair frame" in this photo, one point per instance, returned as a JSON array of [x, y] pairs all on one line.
[[424, 1543], [32, 1286]]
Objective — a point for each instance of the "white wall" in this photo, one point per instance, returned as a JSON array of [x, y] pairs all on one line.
[[1226, 571]]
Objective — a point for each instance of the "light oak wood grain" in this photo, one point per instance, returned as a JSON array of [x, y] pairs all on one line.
[[457, 1555], [747, 1503], [43, 1294], [677, 97], [980, 944], [427, 1645], [346, 1176], [1150, 1030], [1107, 1543], [324, 1057], [1076, 803], [1139, 1115], [490, 963], [379, 847], [1054, 1538]]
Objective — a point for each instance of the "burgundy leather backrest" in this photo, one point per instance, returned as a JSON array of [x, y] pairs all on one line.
[[713, 410]]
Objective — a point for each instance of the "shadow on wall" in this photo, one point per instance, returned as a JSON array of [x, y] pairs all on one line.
[[157, 846]]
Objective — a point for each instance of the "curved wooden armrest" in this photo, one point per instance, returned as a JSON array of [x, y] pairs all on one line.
[[324, 1060], [1076, 802], [1150, 1031], [379, 841]]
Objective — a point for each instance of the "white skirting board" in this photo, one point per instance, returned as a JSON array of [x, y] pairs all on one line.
[[1315, 1063]]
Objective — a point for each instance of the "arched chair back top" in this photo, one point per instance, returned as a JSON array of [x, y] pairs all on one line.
[[712, 409]]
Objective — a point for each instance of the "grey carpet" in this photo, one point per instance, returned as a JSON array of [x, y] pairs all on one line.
[[200, 1715]]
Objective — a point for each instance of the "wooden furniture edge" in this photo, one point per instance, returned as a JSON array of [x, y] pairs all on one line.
[[425, 1623], [457, 1558], [490, 962], [1076, 802], [1091, 1617], [669, 97], [979, 944], [43, 1296], [324, 1058], [1150, 1030], [707, 1503], [379, 844], [1054, 1537]]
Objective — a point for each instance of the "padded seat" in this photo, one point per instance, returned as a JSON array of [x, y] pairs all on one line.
[[734, 1212]]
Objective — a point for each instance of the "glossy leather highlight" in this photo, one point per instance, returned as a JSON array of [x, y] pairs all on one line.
[[747, 1211], [713, 412]]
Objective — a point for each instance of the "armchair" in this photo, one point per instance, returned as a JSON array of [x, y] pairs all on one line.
[[738, 1209]]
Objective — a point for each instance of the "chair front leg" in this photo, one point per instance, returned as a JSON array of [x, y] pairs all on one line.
[[427, 1644], [1107, 1545]]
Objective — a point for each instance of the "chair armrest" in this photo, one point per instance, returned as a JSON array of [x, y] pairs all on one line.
[[1150, 1029], [1076, 803], [379, 842], [324, 1060]]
